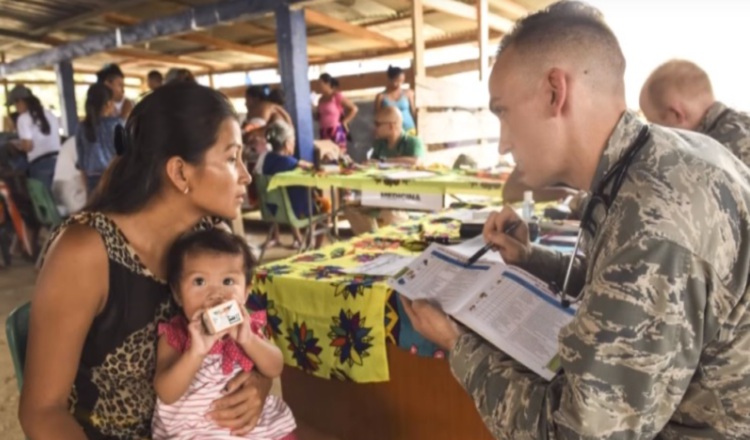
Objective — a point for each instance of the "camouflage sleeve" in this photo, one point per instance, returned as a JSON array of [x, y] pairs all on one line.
[[550, 266], [627, 357]]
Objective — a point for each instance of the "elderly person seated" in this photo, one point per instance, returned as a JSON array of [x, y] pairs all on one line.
[[394, 146], [280, 137]]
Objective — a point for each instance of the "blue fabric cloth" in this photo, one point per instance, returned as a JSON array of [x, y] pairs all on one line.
[[299, 196], [402, 104], [94, 157]]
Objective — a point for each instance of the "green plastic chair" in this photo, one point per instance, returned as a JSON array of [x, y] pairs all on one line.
[[17, 331], [284, 215], [44, 205]]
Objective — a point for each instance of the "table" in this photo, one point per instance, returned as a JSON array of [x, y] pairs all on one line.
[[442, 182], [351, 368], [356, 369]]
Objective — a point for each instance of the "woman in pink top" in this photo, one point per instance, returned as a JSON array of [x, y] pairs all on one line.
[[205, 269], [334, 111]]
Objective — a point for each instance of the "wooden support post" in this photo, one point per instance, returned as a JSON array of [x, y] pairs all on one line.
[[419, 69], [6, 91], [483, 28], [418, 40]]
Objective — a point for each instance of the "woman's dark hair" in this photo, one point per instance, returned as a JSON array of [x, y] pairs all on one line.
[[37, 113], [155, 75], [326, 78], [277, 97], [394, 72], [258, 92], [267, 94], [108, 73], [97, 98], [180, 119], [208, 241]]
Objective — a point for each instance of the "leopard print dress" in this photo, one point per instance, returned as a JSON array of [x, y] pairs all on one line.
[[113, 395]]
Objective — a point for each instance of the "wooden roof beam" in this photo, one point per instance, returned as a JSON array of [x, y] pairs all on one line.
[[199, 38], [320, 19], [469, 12], [166, 59], [510, 8], [85, 16]]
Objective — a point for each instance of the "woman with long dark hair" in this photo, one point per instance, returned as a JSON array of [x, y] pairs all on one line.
[[335, 112], [39, 132], [95, 139], [101, 292]]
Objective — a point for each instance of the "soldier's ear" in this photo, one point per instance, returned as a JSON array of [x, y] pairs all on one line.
[[676, 116]]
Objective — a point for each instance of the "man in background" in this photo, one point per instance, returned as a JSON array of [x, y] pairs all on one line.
[[391, 145], [678, 94]]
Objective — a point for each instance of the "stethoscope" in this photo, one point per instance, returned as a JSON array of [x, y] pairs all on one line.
[[616, 175]]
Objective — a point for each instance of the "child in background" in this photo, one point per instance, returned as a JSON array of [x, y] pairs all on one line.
[[205, 269]]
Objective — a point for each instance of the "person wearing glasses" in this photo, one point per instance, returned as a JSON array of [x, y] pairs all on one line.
[[678, 94], [658, 346], [391, 146]]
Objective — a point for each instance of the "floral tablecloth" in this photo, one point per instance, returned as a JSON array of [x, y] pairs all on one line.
[[335, 325]]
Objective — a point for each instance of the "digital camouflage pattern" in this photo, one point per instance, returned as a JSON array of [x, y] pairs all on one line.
[[660, 346], [730, 127]]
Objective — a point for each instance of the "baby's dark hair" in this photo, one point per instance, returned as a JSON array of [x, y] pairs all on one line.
[[208, 241]]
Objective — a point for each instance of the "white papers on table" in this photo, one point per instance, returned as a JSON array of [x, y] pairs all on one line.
[[408, 175], [383, 265]]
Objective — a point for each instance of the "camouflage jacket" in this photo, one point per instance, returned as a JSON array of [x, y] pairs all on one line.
[[660, 345], [730, 127]]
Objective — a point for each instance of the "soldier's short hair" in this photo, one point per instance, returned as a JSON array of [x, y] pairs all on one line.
[[683, 76], [568, 28]]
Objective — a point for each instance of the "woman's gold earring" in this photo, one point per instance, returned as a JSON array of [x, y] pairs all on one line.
[[187, 190]]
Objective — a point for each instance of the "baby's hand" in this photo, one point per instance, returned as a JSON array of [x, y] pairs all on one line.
[[200, 341], [243, 333]]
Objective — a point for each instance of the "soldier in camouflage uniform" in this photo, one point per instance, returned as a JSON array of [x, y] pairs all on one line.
[[678, 94], [660, 345]]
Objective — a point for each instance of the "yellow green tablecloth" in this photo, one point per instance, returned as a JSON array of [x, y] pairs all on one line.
[[442, 182], [335, 325]]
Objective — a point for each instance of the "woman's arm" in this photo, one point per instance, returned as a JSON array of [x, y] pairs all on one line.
[[350, 111], [127, 107], [70, 291], [25, 145], [378, 102]]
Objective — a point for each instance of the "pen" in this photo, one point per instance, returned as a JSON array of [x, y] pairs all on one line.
[[486, 248]]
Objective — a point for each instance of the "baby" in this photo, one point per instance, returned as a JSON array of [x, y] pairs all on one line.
[[205, 269]]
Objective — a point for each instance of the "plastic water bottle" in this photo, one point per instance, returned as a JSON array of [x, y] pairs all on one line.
[[527, 209]]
